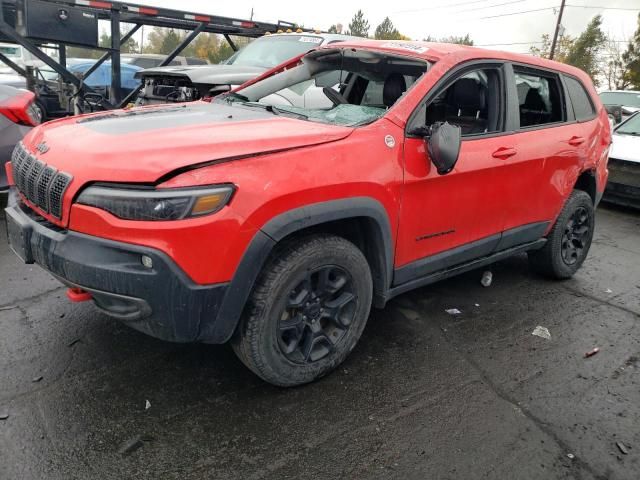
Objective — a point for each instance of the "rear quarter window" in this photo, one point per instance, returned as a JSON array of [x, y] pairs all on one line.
[[583, 107]]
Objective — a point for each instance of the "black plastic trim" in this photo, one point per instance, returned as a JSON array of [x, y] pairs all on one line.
[[177, 306], [469, 252], [442, 275], [284, 225], [446, 259]]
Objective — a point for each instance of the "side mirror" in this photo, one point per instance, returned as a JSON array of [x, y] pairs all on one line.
[[444, 146]]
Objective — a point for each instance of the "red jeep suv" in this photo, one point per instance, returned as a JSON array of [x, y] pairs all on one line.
[[276, 227]]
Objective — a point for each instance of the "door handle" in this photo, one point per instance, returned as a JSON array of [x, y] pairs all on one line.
[[504, 152], [575, 141]]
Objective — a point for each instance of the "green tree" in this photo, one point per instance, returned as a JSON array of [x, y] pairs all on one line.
[[585, 51], [631, 60], [333, 29], [130, 46], [466, 40], [170, 42], [359, 26], [563, 46], [386, 31]]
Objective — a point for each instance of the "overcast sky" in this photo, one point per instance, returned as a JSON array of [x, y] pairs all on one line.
[[419, 18]]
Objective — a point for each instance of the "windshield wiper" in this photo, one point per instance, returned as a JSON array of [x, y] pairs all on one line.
[[280, 111], [275, 110], [234, 97]]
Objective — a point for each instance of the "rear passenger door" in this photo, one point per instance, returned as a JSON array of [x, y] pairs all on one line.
[[546, 146]]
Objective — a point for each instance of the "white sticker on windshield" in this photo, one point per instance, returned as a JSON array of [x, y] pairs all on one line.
[[406, 46], [310, 39]]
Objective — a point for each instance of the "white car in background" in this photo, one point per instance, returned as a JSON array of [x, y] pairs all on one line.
[[627, 100], [623, 187], [189, 83]]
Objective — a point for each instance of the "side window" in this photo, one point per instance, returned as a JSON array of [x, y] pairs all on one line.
[[539, 98], [582, 105], [473, 102]]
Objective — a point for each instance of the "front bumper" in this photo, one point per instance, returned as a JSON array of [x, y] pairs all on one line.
[[623, 187], [160, 301]]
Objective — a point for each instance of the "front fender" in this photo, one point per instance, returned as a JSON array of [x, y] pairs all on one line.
[[280, 227]]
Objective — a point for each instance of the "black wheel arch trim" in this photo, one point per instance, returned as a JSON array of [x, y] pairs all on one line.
[[221, 329]]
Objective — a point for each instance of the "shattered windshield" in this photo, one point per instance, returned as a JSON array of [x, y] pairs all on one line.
[[337, 86]]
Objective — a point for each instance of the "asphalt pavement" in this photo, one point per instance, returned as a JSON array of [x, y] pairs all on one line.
[[425, 394]]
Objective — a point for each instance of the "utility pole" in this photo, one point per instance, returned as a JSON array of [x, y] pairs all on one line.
[[555, 34]]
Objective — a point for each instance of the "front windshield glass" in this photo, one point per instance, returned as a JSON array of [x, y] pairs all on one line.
[[342, 87], [627, 99], [269, 51], [630, 127]]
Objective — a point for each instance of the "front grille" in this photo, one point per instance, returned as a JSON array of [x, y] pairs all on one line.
[[43, 185]]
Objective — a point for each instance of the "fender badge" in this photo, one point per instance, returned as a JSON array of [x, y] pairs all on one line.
[[390, 141], [42, 147]]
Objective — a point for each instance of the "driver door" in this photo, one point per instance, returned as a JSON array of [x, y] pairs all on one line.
[[450, 219]]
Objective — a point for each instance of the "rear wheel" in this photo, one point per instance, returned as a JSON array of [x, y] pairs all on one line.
[[569, 241], [306, 312]]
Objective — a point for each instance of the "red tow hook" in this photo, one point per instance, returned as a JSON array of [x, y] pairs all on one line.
[[78, 295]]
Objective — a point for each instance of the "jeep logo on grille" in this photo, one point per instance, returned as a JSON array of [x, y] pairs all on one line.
[[42, 147]]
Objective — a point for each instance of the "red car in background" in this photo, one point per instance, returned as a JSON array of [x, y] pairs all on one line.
[[18, 115], [278, 227]]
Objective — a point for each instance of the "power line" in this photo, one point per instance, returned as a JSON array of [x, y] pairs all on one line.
[[603, 7], [553, 8], [519, 13], [488, 6], [439, 7]]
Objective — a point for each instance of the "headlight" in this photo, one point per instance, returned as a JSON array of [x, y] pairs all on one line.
[[169, 204]]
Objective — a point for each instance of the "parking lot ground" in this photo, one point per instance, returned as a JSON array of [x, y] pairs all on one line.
[[425, 394]]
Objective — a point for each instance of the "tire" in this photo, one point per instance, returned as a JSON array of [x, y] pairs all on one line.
[[293, 330], [42, 112], [569, 241]]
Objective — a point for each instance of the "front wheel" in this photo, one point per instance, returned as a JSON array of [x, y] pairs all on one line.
[[306, 312], [569, 241]]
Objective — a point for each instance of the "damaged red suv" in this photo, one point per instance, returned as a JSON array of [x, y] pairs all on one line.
[[276, 227]]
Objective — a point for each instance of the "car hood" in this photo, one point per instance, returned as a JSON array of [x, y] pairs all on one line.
[[625, 147], [144, 144], [207, 74]]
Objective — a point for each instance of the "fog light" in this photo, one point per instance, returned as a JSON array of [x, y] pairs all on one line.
[[147, 262]]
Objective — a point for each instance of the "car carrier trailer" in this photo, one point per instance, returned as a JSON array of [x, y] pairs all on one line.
[[58, 23]]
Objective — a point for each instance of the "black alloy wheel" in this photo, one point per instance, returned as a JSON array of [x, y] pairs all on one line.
[[576, 234], [318, 314]]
